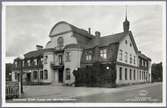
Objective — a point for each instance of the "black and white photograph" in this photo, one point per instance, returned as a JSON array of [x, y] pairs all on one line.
[[84, 53]]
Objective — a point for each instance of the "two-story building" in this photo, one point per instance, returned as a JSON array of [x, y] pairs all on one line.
[[70, 48]]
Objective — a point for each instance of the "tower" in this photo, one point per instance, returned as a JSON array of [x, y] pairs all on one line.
[[126, 23]]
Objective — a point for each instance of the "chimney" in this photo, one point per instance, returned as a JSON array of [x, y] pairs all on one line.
[[89, 30], [39, 47], [97, 34]]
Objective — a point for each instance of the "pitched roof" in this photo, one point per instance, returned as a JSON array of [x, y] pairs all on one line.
[[143, 56], [74, 29], [36, 53], [106, 40]]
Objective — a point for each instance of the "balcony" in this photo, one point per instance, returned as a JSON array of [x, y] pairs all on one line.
[[56, 66]]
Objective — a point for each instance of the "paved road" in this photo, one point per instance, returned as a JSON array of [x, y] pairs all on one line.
[[145, 94], [150, 92]]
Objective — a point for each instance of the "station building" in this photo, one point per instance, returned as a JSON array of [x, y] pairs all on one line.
[[71, 48]]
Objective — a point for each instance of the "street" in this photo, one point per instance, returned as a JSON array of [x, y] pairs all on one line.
[[149, 92], [146, 94]]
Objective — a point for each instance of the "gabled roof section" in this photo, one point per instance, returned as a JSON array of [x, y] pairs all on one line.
[[133, 41], [73, 29], [106, 40], [143, 56]]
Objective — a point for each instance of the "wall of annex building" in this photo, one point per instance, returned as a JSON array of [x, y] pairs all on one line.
[[28, 71], [137, 75], [126, 46], [72, 63], [48, 59]]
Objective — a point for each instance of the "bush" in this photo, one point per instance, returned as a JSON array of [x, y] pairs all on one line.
[[96, 75]]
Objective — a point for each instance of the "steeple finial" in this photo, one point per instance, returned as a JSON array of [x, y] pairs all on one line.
[[125, 12], [126, 23]]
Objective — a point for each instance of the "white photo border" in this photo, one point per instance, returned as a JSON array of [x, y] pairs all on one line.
[[119, 3]]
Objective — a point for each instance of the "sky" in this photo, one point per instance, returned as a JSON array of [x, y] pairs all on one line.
[[27, 26]]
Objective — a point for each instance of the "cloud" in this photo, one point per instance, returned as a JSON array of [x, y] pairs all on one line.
[[27, 26]]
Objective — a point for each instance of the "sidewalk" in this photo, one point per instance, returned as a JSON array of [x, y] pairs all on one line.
[[51, 91]]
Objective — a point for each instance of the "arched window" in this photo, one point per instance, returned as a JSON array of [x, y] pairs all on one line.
[[60, 42]]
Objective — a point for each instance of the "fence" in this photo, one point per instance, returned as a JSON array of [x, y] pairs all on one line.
[[12, 89]]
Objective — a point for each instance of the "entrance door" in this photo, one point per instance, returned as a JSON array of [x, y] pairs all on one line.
[[60, 72], [28, 77]]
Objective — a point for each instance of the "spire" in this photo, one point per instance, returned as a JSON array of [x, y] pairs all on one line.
[[126, 13], [126, 22]]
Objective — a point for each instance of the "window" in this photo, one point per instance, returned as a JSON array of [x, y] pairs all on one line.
[[142, 62], [67, 56], [45, 74], [130, 74], [126, 57], [140, 75], [130, 44], [35, 74], [41, 75], [42, 60], [130, 58], [103, 53], [88, 57], [60, 42], [16, 76], [134, 60], [145, 64], [67, 74], [35, 62], [23, 63], [120, 54], [134, 75], [126, 41], [28, 62], [125, 73], [45, 59], [120, 73], [60, 59], [16, 64]]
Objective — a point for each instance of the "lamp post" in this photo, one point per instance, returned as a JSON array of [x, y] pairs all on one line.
[[21, 58]]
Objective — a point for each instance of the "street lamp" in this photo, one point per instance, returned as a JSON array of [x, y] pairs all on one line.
[[21, 58], [107, 68]]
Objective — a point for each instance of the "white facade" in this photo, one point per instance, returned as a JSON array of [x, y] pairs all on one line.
[[128, 61]]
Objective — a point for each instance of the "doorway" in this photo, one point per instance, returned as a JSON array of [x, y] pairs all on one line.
[[60, 72], [28, 77]]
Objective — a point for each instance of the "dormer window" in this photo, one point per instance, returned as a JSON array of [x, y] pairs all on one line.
[[89, 56], [103, 53], [60, 42]]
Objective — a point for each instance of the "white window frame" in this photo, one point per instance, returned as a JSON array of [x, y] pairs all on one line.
[[103, 53], [120, 54], [126, 57]]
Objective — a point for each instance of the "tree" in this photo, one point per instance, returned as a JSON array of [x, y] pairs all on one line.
[[8, 71], [156, 71], [96, 75]]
